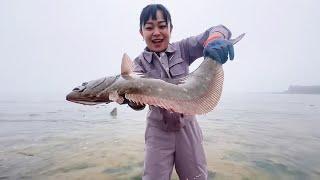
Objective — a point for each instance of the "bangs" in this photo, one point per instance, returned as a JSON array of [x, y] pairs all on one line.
[[150, 11]]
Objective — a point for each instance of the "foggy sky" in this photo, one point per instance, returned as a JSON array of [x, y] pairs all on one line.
[[52, 46]]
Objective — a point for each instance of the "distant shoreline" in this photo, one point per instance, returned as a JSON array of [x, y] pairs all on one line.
[[297, 89]]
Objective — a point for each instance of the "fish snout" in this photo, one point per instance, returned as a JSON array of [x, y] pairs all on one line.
[[70, 96], [75, 94]]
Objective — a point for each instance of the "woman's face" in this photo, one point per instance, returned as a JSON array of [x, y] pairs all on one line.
[[156, 33]]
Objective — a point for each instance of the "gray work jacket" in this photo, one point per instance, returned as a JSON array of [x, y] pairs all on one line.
[[173, 63]]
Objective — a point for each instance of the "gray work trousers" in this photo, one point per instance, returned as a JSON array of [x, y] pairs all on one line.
[[182, 149]]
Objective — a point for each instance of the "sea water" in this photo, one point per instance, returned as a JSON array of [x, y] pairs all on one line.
[[247, 136]]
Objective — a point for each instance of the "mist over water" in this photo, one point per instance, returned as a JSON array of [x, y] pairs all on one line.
[[52, 46], [248, 136], [49, 47]]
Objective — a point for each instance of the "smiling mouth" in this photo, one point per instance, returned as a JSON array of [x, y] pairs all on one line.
[[157, 41]]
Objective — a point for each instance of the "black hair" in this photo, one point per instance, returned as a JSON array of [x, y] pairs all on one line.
[[151, 11]]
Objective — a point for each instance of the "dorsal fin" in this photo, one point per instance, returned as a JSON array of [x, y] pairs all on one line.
[[126, 65]]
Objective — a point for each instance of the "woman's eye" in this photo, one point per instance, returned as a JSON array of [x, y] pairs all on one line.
[[148, 28], [163, 26]]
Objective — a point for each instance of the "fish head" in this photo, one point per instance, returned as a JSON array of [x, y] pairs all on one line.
[[98, 91], [89, 93]]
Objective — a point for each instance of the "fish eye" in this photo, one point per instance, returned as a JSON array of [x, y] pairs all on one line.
[[85, 83], [79, 89]]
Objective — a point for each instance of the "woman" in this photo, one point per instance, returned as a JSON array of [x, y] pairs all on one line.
[[174, 138]]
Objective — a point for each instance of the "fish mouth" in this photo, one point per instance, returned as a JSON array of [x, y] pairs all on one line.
[[74, 97]]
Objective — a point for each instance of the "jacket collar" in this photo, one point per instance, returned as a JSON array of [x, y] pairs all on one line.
[[148, 55]]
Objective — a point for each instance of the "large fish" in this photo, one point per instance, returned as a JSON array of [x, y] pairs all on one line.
[[197, 93]]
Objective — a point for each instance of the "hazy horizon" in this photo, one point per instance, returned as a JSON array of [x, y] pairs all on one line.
[[52, 46]]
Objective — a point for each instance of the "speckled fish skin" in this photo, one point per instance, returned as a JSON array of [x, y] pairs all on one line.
[[197, 93]]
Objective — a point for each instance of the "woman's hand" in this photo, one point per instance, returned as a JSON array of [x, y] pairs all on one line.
[[218, 50], [114, 96]]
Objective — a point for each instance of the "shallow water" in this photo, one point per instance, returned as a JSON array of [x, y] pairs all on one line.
[[248, 136]]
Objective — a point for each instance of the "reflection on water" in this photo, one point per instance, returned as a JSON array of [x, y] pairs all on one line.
[[251, 136]]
